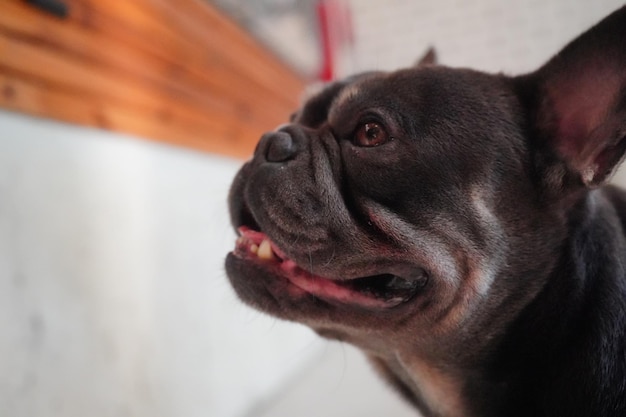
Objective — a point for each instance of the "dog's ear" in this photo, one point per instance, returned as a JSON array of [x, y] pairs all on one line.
[[429, 58], [578, 103]]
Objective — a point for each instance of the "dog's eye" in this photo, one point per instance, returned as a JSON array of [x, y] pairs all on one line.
[[371, 134]]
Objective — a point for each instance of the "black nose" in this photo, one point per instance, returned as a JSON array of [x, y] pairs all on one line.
[[280, 146]]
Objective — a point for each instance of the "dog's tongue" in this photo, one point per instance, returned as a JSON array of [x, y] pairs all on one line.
[[252, 243]]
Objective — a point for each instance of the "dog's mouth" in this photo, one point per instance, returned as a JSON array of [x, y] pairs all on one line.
[[376, 291]]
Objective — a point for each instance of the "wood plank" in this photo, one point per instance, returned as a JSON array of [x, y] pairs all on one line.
[[174, 29], [90, 80], [205, 90], [212, 24], [42, 100], [145, 67]]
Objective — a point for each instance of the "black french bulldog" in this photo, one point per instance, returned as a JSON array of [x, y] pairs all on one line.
[[456, 227]]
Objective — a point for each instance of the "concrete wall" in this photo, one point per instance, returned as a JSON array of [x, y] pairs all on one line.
[[489, 35], [113, 299]]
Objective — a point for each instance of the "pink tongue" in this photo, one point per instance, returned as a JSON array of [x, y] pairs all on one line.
[[327, 289], [315, 285]]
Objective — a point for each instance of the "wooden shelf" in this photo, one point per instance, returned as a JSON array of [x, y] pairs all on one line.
[[172, 71]]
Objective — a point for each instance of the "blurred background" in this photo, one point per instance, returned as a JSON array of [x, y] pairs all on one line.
[[122, 124]]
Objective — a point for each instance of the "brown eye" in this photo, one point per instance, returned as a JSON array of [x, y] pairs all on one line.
[[371, 134]]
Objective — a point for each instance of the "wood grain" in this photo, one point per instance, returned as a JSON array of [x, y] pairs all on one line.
[[172, 71]]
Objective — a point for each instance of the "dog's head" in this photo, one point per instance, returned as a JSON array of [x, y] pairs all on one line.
[[425, 206]]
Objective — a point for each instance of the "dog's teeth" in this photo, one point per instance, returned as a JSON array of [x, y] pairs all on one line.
[[254, 248], [265, 250]]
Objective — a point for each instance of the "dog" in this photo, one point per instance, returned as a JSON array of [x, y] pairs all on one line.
[[457, 227]]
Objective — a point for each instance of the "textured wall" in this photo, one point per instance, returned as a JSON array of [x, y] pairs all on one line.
[[491, 35], [113, 298]]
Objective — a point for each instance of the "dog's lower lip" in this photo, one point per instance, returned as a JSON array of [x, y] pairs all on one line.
[[376, 291]]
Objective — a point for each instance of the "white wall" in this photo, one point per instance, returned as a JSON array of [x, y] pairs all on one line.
[[113, 299], [489, 35]]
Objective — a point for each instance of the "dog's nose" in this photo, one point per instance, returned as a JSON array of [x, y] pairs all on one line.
[[280, 146]]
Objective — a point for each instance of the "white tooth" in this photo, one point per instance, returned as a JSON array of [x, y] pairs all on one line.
[[254, 248], [265, 250]]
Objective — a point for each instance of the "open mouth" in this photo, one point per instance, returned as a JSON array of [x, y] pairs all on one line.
[[376, 291]]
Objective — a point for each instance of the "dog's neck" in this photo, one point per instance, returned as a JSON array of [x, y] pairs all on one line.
[[444, 385], [440, 391]]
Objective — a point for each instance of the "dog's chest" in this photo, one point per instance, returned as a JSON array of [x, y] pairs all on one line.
[[439, 391]]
